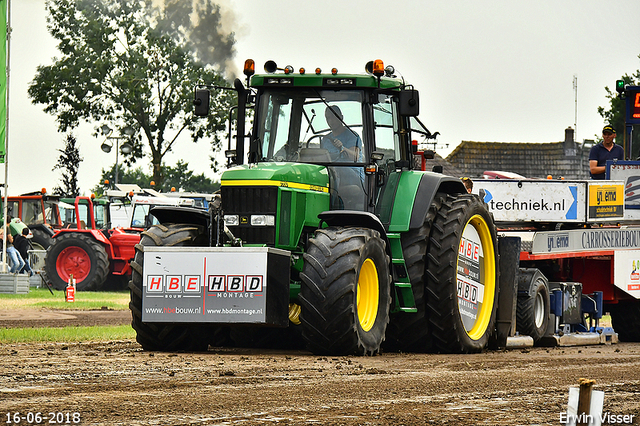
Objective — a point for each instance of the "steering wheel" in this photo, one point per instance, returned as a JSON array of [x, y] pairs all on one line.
[[319, 136]]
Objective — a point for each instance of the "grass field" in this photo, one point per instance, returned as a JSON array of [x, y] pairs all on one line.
[[85, 300], [66, 334], [38, 298]]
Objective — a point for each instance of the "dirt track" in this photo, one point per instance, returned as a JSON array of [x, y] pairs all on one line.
[[117, 383]]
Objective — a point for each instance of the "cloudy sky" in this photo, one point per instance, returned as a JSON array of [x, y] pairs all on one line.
[[496, 70]]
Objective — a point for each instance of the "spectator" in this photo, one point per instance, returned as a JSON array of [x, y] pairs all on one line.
[[605, 150], [23, 245], [12, 254]]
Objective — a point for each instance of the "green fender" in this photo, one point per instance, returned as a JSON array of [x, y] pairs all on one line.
[[418, 189]]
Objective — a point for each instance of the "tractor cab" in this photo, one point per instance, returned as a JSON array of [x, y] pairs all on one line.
[[86, 213], [357, 126], [318, 143]]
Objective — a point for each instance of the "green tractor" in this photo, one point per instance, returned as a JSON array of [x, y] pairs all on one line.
[[328, 233]]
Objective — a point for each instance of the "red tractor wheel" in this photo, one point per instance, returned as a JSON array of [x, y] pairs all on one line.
[[77, 254]]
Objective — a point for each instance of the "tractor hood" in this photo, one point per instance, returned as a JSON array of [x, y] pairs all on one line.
[[295, 175]]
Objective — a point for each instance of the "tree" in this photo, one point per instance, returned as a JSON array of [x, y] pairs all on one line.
[[179, 177], [127, 63], [615, 115], [69, 162], [183, 179]]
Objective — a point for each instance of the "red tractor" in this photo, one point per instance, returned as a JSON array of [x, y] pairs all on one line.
[[39, 211], [90, 253]]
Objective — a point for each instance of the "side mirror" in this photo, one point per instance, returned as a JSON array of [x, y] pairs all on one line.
[[201, 102], [409, 103]]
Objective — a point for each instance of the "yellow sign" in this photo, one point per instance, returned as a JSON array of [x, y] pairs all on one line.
[[606, 200]]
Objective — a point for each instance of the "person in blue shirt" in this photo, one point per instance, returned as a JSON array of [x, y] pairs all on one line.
[[342, 144], [605, 150]]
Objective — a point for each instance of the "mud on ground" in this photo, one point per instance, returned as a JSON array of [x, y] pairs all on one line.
[[117, 383]]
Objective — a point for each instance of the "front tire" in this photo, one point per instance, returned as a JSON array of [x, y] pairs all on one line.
[[462, 276], [77, 254], [345, 294]]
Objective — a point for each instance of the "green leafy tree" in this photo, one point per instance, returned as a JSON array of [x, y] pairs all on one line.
[[615, 114], [128, 63], [178, 177], [183, 179], [69, 162]]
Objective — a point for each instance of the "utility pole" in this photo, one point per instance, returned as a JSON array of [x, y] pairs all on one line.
[[575, 117]]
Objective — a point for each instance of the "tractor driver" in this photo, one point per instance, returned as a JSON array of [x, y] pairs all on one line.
[[342, 143], [343, 146]]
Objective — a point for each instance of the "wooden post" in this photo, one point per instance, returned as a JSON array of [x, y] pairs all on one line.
[[584, 402]]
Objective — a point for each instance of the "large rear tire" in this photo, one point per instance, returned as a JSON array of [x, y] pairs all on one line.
[[165, 336], [77, 254], [462, 276], [345, 294], [409, 332], [625, 320]]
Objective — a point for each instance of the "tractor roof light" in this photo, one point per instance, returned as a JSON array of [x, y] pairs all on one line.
[[378, 68], [43, 191], [249, 67], [270, 67], [389, 70]]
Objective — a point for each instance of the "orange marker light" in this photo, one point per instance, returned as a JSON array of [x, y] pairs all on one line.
[[318, 70], [249, 67], [378, 68], [43, 190], [334, 71], [173, 189], [106, 181], [302, 70]]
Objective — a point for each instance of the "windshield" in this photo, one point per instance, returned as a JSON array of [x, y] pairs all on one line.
[[141, 216], [101, 212], [314, 126]]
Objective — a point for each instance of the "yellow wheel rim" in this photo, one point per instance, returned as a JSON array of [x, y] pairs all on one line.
[[367, 295], [476, 235]]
